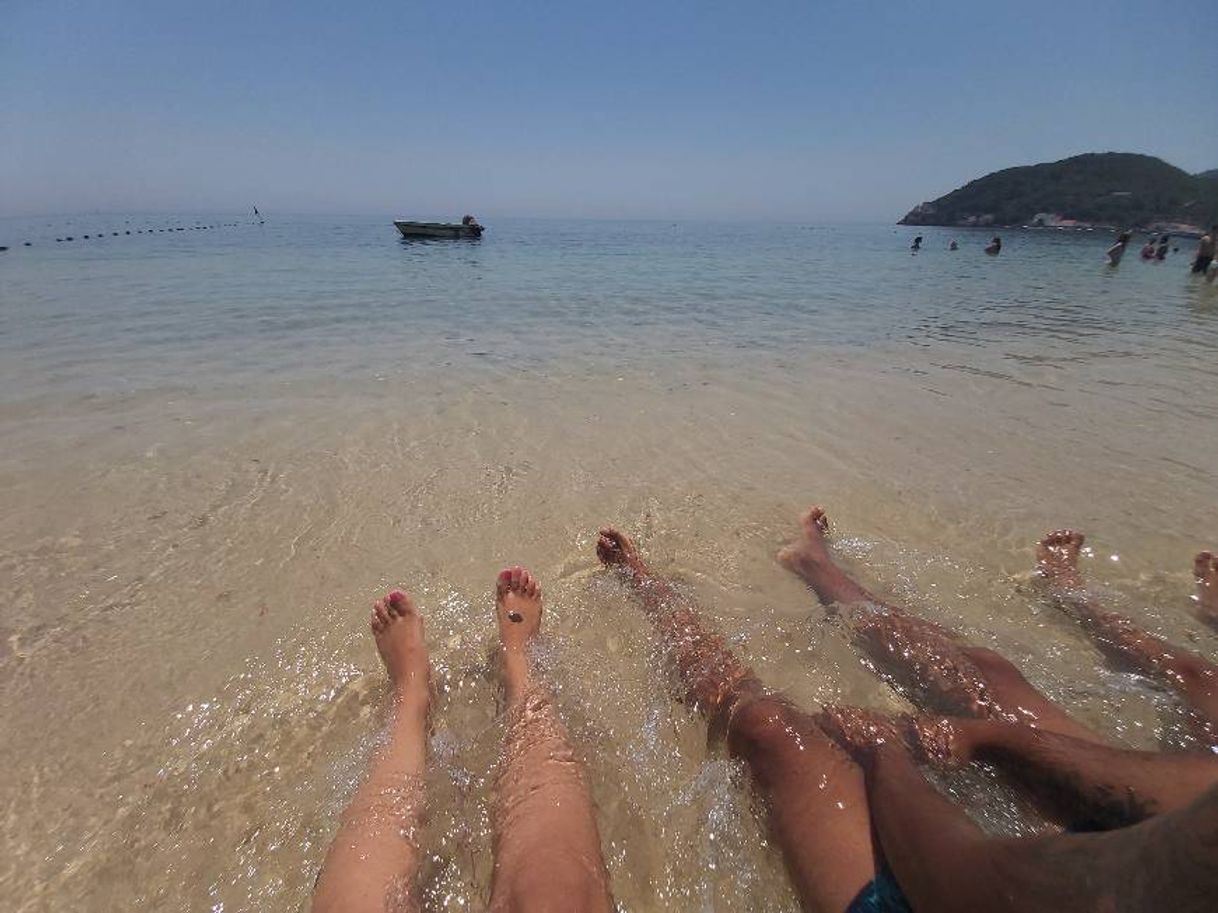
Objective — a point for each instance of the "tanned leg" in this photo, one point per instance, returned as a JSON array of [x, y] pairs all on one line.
[[813, 792], [940, 669], [1076, 783], [547, 849], [1205, 568], [945, 863], [1192, 676], [372, 862]]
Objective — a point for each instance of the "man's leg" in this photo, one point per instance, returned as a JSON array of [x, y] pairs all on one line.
[[1192, 676], [943, 671], [547, 849], [371, 865], [1076, 783], [814, 793], [945, 863]]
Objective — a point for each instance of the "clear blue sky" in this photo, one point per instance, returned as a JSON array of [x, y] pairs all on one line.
[[668, 108]]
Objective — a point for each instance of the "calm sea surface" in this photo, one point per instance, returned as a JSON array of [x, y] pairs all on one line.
[[219, 445]]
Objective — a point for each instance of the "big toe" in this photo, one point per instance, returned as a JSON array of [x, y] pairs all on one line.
[[815, 521]]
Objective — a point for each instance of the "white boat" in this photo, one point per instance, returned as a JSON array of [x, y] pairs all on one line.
[[466, 228]]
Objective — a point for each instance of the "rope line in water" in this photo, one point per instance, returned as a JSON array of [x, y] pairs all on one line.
[[139, 231]]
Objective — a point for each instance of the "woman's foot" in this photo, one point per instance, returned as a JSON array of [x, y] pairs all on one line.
[[397, 627], [1205, 567], [518, 611], [1057, 558]]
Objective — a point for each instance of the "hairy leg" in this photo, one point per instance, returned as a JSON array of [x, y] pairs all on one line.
[[1083, 785], [1192, 676], [371, 864], [941, 670], [547, 849], [1205, 568], [1077, 783], [945, 863], [813, 792]]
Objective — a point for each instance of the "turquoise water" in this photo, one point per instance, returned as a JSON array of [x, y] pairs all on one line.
[[221, 444]]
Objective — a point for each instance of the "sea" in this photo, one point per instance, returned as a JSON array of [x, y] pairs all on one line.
[[223, 438]]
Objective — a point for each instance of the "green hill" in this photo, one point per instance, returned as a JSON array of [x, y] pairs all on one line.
[[1121, 189]]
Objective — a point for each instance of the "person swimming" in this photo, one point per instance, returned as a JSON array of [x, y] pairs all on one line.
[[953, 245], [917, 244], [1205, 251], [1117, 251], [1148, 249], [994, 247]]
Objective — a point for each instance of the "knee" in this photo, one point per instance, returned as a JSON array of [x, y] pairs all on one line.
[[768, 728]]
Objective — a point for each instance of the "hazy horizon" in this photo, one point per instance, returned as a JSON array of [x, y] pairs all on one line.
[[686, 112]]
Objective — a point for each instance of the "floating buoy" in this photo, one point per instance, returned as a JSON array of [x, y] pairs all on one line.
[[128, 232], [2, 248], [26, 244], [59, 240], [86, 237], [69, 238], [115, 233]]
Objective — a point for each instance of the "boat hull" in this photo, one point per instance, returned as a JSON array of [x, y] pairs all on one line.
[[438, 230]]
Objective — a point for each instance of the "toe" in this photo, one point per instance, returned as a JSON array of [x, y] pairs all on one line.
[[517, 575], [375, 623], [398, 603], [382, 616]]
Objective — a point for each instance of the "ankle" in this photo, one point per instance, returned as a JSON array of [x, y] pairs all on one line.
[[515, 672]]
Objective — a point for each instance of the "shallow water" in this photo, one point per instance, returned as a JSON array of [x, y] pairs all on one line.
[[220, 445]]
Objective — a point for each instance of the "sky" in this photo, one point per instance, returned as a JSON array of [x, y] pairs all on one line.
[[677, 109]]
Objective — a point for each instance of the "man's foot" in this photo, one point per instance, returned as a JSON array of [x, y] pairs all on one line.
[[1205, 567], [397, 627], [1057, 558], [616, 549], [809, 549], [518, 611], [941, 741]]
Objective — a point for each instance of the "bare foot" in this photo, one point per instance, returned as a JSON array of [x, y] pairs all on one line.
[[1057, 558], [858, 732], [517, 607], [397, 627], [809, 549], [518, 611], [616, 549], [941, 741], [1205, 567]]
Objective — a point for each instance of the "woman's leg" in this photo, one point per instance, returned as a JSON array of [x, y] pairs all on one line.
[[813, 792], [943, 671], [547, 849], [1191, 675], [371, 865]]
